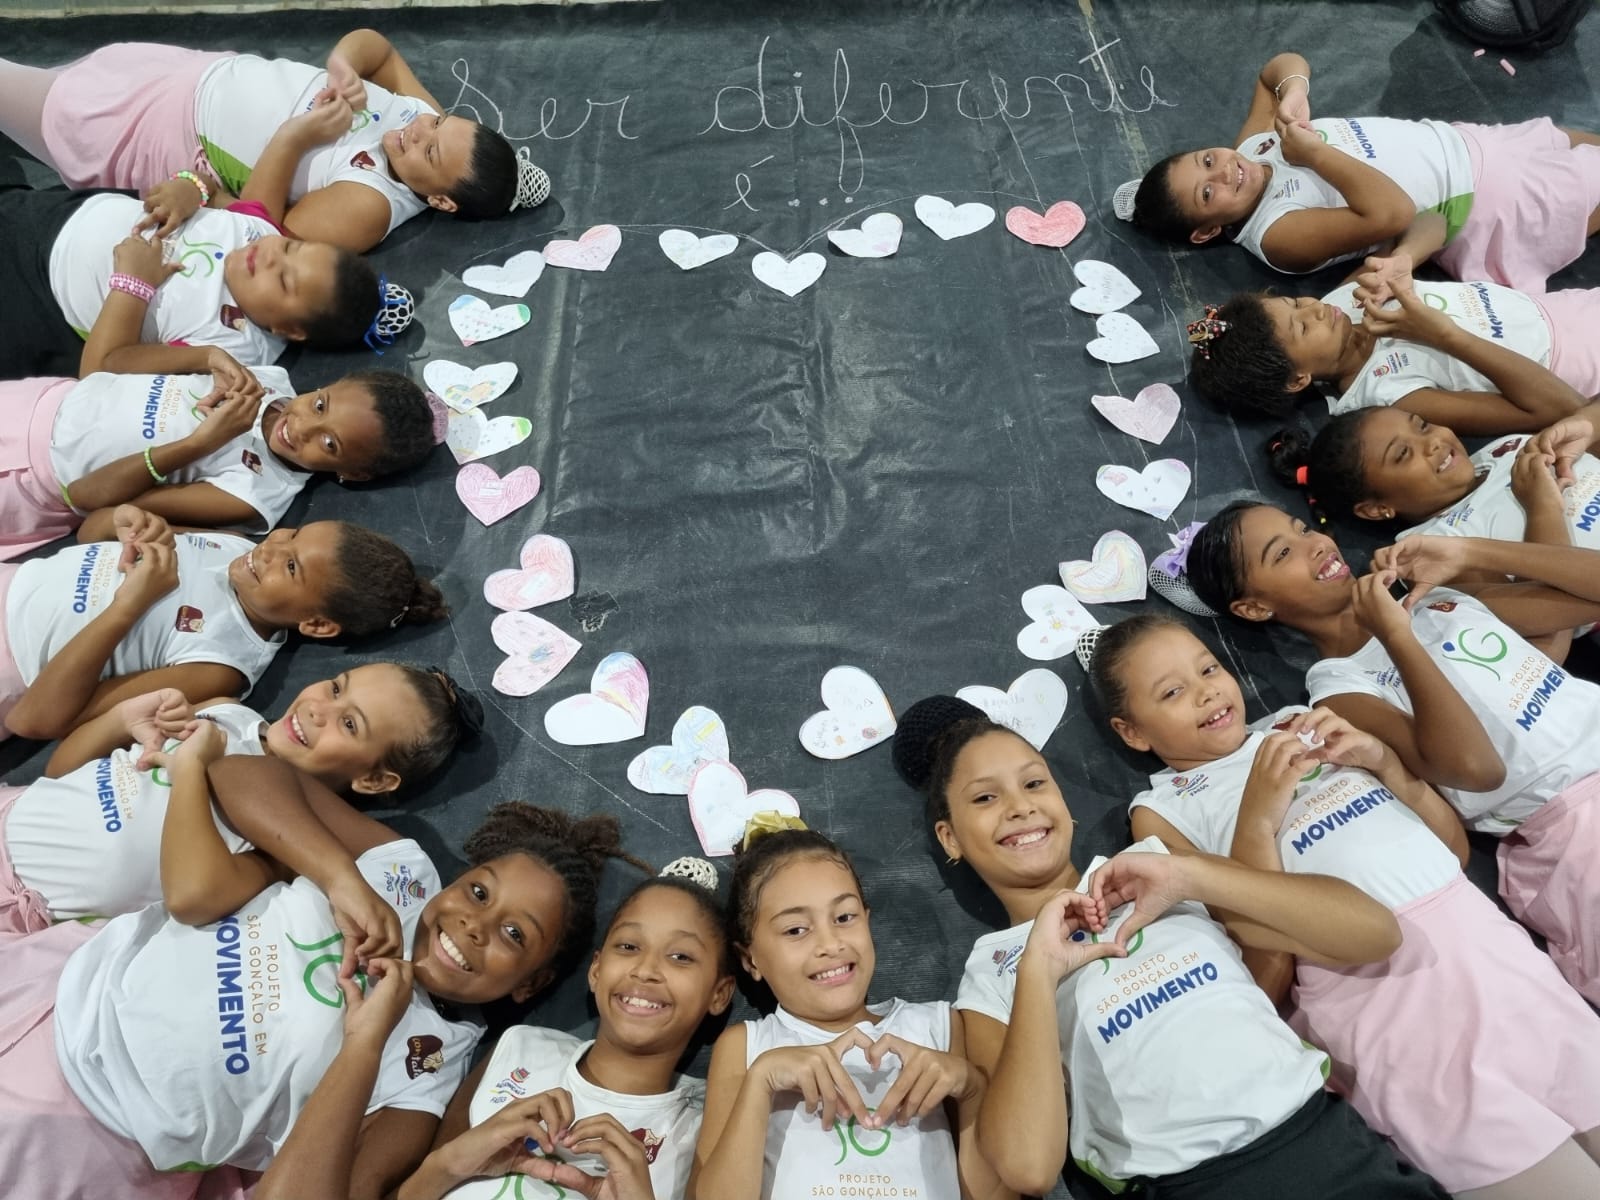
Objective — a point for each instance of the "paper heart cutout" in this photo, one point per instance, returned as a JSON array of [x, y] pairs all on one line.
[[1112, 574], [462, 387], [519, 273], [439, 413], [471, 435], [698, 736], [474, 321], [536, 652], [720, 803], [546, 574], [1031, 707], [878, 237], [1105, 289], [1061, 222], [689, 251], [1156, 490], [1121, 340], [856, 715], [791, 277], [1058, 619], [490, 497], [1149, 415], [593, 251], [950, 221], [612, 710]]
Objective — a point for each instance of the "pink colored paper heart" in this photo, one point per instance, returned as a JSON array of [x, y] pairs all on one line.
[[591, 252], [546, 575], [490, 497], [537, 651], [1062, 222], [1149, 415]]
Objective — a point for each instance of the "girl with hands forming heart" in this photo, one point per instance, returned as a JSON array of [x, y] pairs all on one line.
[[1115, 1020], [1301, 792], [830, 1086]]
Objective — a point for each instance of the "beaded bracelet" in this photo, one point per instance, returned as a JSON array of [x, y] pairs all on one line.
[[205, 192], [150, 466], [133, 285]]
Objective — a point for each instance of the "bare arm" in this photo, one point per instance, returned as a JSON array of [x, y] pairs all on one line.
[[1421, 241], [375, 58], [1022, 1125], [728, 1158], [1266, 99], [184, 505], [1376, 210], [979, 1179]]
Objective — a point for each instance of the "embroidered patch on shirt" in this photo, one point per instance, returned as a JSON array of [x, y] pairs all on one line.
[[424, 1054]]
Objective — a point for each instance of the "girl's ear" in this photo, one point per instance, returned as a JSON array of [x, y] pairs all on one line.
[[721, 996], [1298, 382], [748, 963], [290, 333], [1251, 610], [319, 627], [1129, 733], [948, 842], [594, 970], [1374, 510], [442, 202], [533, 985], [1201, 236], [376, 782]]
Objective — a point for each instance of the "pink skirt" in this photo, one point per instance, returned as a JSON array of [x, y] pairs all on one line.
[[1547, 879], [1466, 1047], [12, 684], [32, 510], [22, 910], [1533, 192], [1573, 315], [124, 116]]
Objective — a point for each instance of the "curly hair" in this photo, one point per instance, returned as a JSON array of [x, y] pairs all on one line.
[[1111, 650], [1244, 371], [490, 184], [377, 586], [1335, 472], [407, 421], [758, 862]]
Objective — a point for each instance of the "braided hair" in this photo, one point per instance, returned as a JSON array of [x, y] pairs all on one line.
[[1328, 468], [375, 586], [1111, 650], [928, 741], [1244, 371], [759, 859]]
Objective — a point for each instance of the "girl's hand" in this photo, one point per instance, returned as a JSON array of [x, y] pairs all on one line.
[[1563, 444], [370, 925], [346, 84], [1279, 766], [372, 1016], [327, 120], [1334, 740], [1058, 934], [1375, 610], [1380, 276], [154, 574], [1413, 321], [228, 374], [1533, 478], [135, 527], [205, 744], [1424, 560], [167, 206], [927, 1078], [627, 1174], [231, 417], [1294, 107], [155, 718], [818, 1074], [511, 1141], [1302, 145], [142, 259], [1152, 883]]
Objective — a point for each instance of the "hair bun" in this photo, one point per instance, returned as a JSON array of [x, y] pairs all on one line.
[[1288, 450], [919, 727], [696, 870], [1084, 646]]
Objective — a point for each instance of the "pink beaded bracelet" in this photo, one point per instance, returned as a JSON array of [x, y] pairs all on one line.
[[134, 286]]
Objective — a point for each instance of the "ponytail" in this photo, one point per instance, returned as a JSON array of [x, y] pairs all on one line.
[[1328, 468], [377, 586], [450, 714]]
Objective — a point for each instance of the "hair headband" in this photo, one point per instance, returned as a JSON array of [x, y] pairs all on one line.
[[533, 185], [763, 823], [1207, 330], [395, 310], [695, 870]]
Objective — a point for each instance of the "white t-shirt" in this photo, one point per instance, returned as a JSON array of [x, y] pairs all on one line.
[[90, 842], [1492, 510], [804, 1160], [1428, 159], [1173, 1055], [528, 1061], [52, 599], [1398, 368], [194, 308], [1544, 723], [242, 100], [107, 417], [1341, 822], [203, 1043]]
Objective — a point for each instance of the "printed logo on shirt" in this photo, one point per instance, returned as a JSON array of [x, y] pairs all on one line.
[[1265, 145], [1397, 360], [233, 317], [201, 542], [1435, 300], [1389, 677], [424, 1054], [1190, 785], [1497, 327], [1337, 818], [850, 1139], [1589, 515], [511, 1085], [1505, 447], [1444, 606], [402, 886], [363, 160], [1006, 961], [650, 1140], [152, 407], [190, 619], [80, 586], [1490, 648], [195, 255], [1289, 188], [252, 460]]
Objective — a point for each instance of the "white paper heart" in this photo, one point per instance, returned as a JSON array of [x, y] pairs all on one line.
[[462, 387], [720, 803], [1105, 289], [474, 321], [878, 237], [1058, 619], [1114, 573], [612, 710], [1149, 415], [1031, 707], [698, 736], [689, 251], [471, 435], [791, 277], [591, 252], [1121, 340], [520, 272], [950, 221], [536, 652], [1156, 490], [857, 715]]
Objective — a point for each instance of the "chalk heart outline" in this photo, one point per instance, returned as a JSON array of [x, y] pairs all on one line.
[[1150, 415], [1032, 707], [462, 387], [593, 251], [690, 251], [1156, 490], [698, 737], [1058, 619], [951, 221], [878, 237], [515, 277], [474, 321], [1055, 227], [489, 496], [536, 652], [1105, 289], [471, 435], [720, 803], [1121, 340], [544, 575], [789, 276], [612, 710], [1112, 574], [856, 715]]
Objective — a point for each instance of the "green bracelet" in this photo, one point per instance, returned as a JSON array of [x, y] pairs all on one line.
[[151, 467], [67, 496]]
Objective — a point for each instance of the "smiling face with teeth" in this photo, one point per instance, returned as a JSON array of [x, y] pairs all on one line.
[[1288, 571], [1411, 468], [1178, 701], [344, 730], [284, 582], [1215, 187]]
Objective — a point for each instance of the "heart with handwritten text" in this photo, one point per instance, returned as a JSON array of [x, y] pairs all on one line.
[[545, 574], [536, 651], [593, 251], [488, 496]]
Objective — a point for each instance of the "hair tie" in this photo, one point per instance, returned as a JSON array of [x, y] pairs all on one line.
[[468, 710], [764, 823], [533, 185], [1207, 330], [695, 870], [395, 310], [1301, 474], [1274, 445], [400, 616]]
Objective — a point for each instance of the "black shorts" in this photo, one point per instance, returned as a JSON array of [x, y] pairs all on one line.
[[1324, 1152]]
